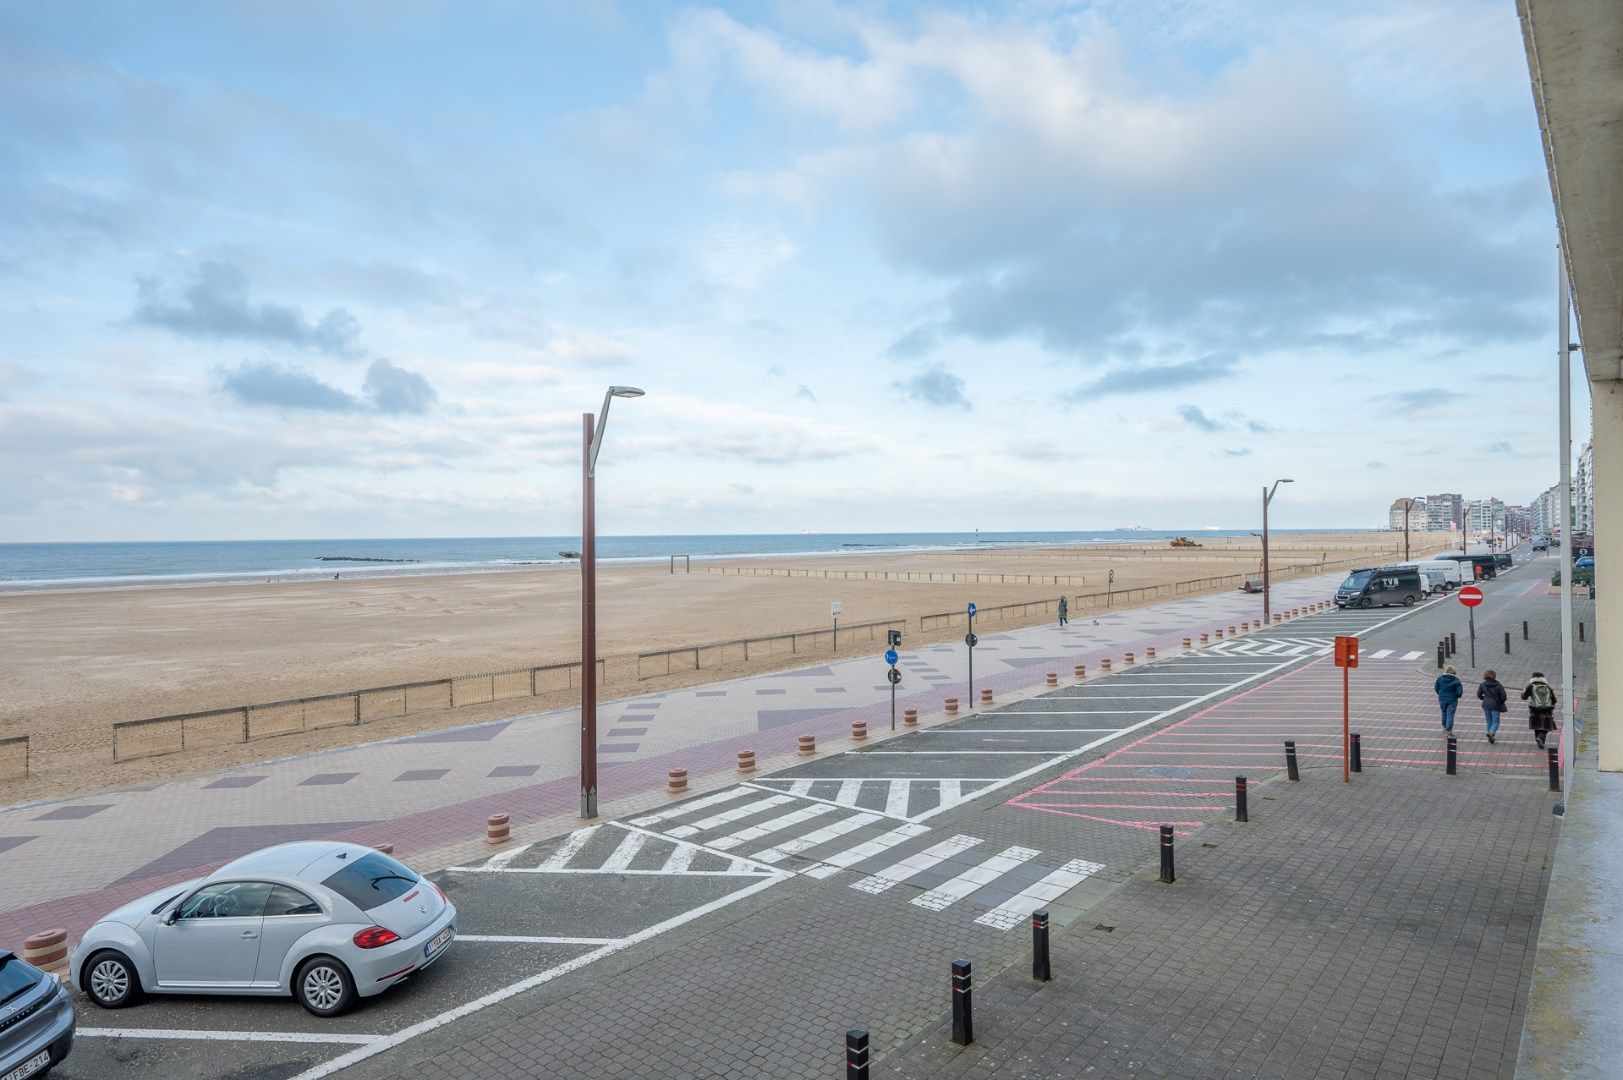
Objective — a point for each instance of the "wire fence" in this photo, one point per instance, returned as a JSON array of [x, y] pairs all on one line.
[[946, 577], [827, 641]]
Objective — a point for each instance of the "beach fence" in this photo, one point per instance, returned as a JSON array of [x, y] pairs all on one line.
[[14, 758], [827, 641], [943, 577], [162, 735]]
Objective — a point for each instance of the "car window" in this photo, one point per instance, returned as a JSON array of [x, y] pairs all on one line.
[[227, 900], [286, 901], [15, 977], [372, 880]]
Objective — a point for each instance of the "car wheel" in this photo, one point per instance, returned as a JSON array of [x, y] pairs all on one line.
[[111, 981], [324, 987], [1408, 601], [1365, 602]]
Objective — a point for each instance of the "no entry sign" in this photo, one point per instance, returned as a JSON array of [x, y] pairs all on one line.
[[1470, 596]]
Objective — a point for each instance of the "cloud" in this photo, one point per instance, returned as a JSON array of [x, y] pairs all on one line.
[[1500, 447], [265, 382], [1417, 402], [803, 393], [920, 341], [935, 385], [1259, 427], [588, 350], [1146, 378], [1236, 452], [395, 391], [1039, 450], [1375, 465], [1195, 417], [215, 305]]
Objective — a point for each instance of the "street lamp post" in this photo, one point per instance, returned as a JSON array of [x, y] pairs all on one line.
[[1267, 497], [592, 429], [1408, 508]]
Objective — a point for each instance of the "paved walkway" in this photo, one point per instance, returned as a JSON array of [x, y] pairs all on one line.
[[429, 794]]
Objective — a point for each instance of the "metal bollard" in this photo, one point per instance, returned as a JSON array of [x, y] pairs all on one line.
[[856, 1054], [1507, 642], [1357, 753], [1167, 874], [1040, 969], [1524, 629], [963, 1023], [1453, 755], [1290, 760], [1241, 811], [1555, 768], [1442, 655], [1580, 631], [1453, 644]]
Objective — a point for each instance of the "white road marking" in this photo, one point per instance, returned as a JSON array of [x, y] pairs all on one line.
[[952, 793], [387, 1042], [761, 785], [227, 1036], [525, 939], [941, 753], [728, 816], [688, 807], [621, 857], [577, 870], [560, 858], [913, 865], [505, 857], [1412, 656], [801, 787], [868, 850], [1013, 730], [777, 824], [849, 791], [1381, 654], [974, 879], [822, 836], [680, 859], [896, 798], [1017, 908]]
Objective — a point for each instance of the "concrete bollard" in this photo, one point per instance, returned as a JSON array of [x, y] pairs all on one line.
[[1218, 633], [1051, 679], [1234, 631], [1128, 659], [1104, 665], [1187, 643], [1081, 672], [746, 761], [1204, 639], [676, 781], [48, 951], [910, 717], [1245, 627], [1149, 652], [986, 695], [859, 731], [1278, 618], [951, 705], [496, 826], [807, 745], [383, 849]]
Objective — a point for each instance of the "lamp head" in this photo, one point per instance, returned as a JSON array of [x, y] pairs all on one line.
[[625, 391]]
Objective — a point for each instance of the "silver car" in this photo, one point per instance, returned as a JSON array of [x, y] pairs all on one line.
[[36, 1020], [325, 922]]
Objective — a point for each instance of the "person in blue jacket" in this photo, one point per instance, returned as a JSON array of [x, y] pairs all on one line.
[[1449, 691]]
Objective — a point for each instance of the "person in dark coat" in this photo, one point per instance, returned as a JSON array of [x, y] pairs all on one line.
[[1541, 703], [1449, 691], [1492, 695], [1064, 611]]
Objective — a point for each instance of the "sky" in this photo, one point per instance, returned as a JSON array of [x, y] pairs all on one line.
[[309, 269]]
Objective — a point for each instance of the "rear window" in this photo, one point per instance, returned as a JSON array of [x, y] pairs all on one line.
[[372, 880], [15, 977]]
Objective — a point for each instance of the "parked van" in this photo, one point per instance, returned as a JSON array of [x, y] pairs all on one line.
[[1453, 576], [1475, 567], [1381, 587], [1436, 579]]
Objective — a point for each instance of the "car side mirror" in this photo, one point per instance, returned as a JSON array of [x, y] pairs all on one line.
[[172, 916]]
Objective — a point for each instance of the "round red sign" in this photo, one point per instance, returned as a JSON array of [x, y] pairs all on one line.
[[1470, 596]]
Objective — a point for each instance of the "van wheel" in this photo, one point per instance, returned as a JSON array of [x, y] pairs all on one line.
[[1365, 602], [1408, 601]]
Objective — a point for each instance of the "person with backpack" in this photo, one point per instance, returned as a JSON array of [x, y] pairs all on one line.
[[1492, 695], [1541, 703], [1449, 691], [1064, 611]]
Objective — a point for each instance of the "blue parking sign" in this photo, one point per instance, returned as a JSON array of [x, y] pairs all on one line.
[[890, 656], [972, 609]]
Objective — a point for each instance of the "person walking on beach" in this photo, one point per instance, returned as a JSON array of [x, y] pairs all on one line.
[[1541, 702], [1492, 695], [1449, 691], [1064, 612]]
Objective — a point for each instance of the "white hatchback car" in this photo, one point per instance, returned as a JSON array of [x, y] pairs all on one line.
[[326, 922]]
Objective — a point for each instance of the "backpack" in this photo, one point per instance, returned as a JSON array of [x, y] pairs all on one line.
[[1543, 697]]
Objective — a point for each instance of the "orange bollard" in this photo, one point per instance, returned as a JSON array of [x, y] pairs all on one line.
[[48, 951], [952, 706], [746, 761], [986, 696], [496, 829], [1104, 665], [807, 744], [1187, 643], [859, 730], [910, 717], [1204, 639], [1081, 672], [1149, 652], [1051, 679], [676, 781]]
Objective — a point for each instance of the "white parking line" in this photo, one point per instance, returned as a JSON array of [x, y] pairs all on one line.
[[525, 939], [766, 828], [227, 1036]]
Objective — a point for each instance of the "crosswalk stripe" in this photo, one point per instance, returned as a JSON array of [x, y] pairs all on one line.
[[505, 857], [951, 792], [1018, 907], [777, 824], [621, 857], [975, 878], [801, 787], [680, 859], [899, 872], [697, 804], [1412, 655], [729, 815], [849, 790], [571, 847], [822, 836], [1381, 654], [869, 849], [896, 798]]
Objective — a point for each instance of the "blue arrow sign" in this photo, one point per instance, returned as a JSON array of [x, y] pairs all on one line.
[[890, 656], [972, 609]]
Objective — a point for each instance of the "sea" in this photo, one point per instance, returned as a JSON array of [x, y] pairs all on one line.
[[37, 566]]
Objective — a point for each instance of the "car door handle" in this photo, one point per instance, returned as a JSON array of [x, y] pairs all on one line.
[[246, 934]]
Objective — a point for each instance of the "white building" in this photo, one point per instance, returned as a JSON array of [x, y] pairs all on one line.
[[1416, 512], [1583, 492]]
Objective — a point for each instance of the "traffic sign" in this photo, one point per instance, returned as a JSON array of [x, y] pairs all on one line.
[[836, 609], [1470, 596], [1346, 651], [972, 609], [890, 656], [971, 640], [895, 676]]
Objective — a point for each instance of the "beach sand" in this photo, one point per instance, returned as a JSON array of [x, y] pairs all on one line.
[[75, 662]]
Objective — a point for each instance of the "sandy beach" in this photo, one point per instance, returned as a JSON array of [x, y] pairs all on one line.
[[76, 662]]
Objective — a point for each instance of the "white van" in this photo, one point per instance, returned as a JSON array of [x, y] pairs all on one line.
[[1447, 574]]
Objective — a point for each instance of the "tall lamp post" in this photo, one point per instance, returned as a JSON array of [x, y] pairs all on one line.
[[593, 441], [1267, 497], [1408, 508]]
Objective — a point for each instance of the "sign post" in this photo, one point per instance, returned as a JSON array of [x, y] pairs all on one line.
[[894, 676], [835, 610], [1346, 660], [1471, 596], [969, 640]]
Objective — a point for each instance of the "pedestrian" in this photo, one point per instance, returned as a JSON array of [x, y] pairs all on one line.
[[1541, 702], [1492, 695], [1064, 612], [1449, 691]]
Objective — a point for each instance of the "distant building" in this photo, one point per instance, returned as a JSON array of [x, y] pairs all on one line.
[[1416, 512], [1519, 521], [1583, 492], [1445, 512], [1485, 516], [1546, 511]]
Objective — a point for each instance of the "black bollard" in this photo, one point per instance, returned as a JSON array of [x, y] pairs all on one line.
[[1039, 946], [1580, 631], [1290, 760], [1453, 754], [1442, 655], [856, 1054], [1524, 629], [1453, 644], [1507, 642], [1357, 754], [1555, 768], [1241, 811], [963, 1024], [1167, 874]]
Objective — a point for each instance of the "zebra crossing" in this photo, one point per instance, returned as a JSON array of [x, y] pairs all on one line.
[[1298, 646], [907, 798], [816, 831]]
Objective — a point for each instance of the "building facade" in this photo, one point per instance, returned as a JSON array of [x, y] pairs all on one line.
[[1445, 512], [1416, 514]]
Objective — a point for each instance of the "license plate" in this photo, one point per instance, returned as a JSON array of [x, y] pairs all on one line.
[[439, 942], [29, 1067]]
